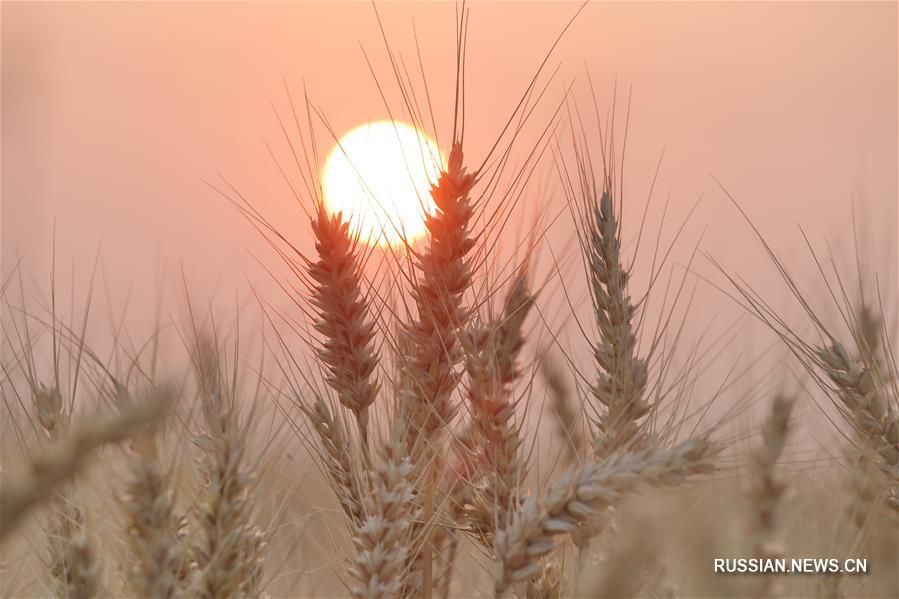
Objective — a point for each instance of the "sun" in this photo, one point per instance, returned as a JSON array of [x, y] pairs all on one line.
[[379, 175]]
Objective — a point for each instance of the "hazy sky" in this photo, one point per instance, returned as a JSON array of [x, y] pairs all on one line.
[[114, 113]]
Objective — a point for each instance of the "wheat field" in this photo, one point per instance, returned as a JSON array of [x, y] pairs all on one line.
[[489, 409]]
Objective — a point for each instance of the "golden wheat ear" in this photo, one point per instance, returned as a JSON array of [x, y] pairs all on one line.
[[443, 274], [581, 494], [343, 319]]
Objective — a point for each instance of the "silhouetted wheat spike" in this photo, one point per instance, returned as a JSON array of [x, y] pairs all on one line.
[[344, 321], [621, 375]]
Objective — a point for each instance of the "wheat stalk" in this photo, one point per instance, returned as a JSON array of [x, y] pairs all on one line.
[[458, 490]]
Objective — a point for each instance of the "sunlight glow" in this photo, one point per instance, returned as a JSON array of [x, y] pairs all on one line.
[[379, 176]]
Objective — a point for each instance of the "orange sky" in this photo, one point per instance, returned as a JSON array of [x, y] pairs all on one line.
[[113, 113]]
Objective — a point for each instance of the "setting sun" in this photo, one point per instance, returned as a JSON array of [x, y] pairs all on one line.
[[379, 176]]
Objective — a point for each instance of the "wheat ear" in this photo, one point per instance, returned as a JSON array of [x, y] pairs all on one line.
[[562, 407], [347, 350], [385, 539], [458, 490], [581, 494], [621, 375], [73, 562], [159, 560], [491, 366], [430, 371], [867, 405], [65, 457], [338, 458], [227, 550], [444, 274]]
